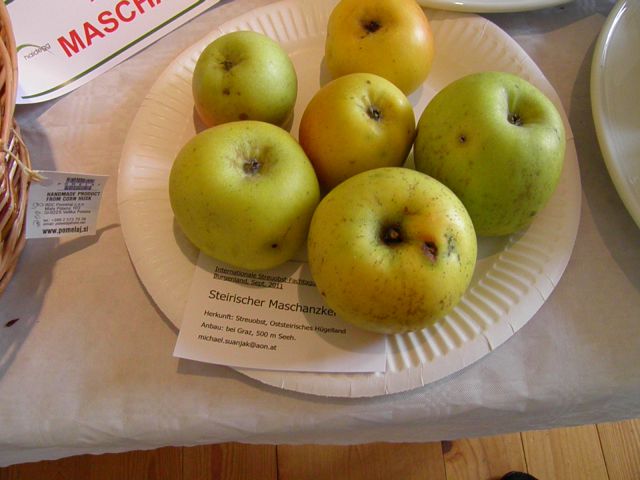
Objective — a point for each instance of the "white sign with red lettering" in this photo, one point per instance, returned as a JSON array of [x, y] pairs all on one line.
[[61, 46]]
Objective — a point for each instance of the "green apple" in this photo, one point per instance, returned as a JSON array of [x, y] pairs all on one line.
[[391, 38], [355, 123], [244, 75], [391, 250], [244, 193], [498, 142]]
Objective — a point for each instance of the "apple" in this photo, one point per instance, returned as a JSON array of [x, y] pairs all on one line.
[[498, 142], [355, 123], [244, 193], [391, 250], [244, 75], [391, 38]]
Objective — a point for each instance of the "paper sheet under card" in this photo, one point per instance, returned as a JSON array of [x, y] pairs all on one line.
[[274, 320], [63, 44]]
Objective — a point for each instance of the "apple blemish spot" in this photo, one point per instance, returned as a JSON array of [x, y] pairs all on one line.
[[451, 246], [430, 249]]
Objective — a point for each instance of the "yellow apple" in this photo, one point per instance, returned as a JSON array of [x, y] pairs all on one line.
[[499, 143], [391, 38], [391, 250], [355, 123], [244, 193], [244, 75]]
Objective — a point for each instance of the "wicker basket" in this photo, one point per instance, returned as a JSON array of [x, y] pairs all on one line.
[[15, 168]]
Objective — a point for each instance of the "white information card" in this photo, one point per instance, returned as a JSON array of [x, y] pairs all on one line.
[[64, 203], [64, 44], [274, 320]]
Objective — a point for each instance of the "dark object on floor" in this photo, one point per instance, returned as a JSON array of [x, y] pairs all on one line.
[[518, 476]]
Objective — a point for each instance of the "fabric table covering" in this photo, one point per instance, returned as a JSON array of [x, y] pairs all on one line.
[[88, 367]]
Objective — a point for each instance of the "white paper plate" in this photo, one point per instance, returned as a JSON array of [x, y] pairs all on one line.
[[513, 278], [491, 5], [615, 100]]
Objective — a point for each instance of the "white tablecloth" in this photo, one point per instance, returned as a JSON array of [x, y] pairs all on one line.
[[89, 367]]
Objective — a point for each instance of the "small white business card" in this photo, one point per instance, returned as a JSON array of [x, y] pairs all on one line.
[[64, 204]]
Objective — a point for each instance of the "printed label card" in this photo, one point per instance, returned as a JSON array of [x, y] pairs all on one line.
[[64, 44], [274, 320], [63, 204]]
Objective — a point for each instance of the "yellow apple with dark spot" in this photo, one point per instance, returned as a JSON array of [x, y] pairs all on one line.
[[391, 250]]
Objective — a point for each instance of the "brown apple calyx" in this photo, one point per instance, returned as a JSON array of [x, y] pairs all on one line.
[[251, 166], [391, 235], [515, 119], [371, 26]]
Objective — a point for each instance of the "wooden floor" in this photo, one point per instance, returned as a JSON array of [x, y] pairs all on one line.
[[592, 452]]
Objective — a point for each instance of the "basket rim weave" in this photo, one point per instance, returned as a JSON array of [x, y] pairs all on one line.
[[15, 168]]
